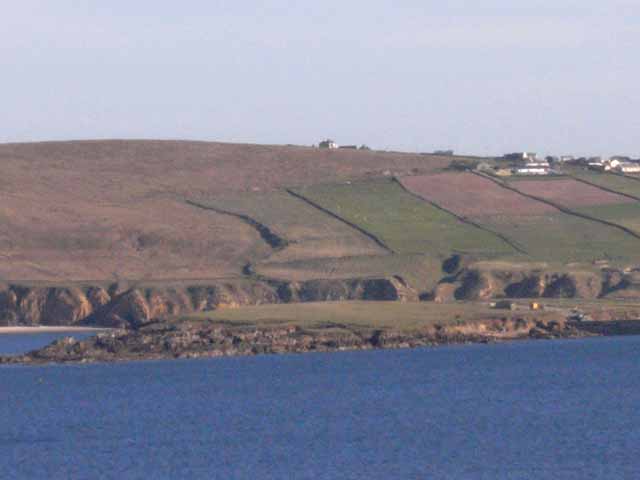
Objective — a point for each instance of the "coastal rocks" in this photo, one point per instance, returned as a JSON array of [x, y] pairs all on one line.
[[389, 289], [205, 338], [8, 308], [130, 306], [69, 303], [129, 309], [483, 284], [475, 285], [21, 305], [443, 293]]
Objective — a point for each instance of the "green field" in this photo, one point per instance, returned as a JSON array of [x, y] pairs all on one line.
[[609, 181], [626, 215], [404, 223], [360, 315], [311, 232], [420, 271], [625, 212], [562, 238]]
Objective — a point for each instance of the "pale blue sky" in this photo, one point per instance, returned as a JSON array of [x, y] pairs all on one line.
[[476, 76]]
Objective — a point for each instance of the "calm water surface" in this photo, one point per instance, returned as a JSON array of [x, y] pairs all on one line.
[[20, 343], [531, 410]]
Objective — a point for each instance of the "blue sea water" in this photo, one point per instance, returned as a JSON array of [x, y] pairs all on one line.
[[529, 410], [21, 343]]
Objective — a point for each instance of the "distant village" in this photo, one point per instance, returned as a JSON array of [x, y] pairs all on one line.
[[526, 163]]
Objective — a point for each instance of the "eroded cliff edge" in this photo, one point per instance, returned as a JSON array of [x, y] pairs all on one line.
[[129, 305], [124, 306]]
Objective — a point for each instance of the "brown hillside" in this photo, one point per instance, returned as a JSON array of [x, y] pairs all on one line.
[[101, 210]]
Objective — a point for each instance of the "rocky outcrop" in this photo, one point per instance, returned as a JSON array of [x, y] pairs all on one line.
[[119, 306], [205, 338], [484, 284]]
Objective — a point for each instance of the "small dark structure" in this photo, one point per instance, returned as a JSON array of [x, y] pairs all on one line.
[[328, 143]]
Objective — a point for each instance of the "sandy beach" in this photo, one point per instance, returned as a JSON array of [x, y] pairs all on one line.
[[48, 329]]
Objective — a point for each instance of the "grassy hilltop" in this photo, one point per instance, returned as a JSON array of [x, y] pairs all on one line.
[[172, 211]]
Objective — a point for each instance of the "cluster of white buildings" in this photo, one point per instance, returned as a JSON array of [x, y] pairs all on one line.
[[528, 163], [616, 164]]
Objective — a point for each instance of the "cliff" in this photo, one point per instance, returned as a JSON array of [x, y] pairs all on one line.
[[122, 306], [131, 305], [482, 283]]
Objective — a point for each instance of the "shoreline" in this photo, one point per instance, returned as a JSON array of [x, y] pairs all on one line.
[[22, 330], [207, 339]]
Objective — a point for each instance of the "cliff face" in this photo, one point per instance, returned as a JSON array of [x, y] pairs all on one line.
[[121, 306], [130, 307], [483, 284]]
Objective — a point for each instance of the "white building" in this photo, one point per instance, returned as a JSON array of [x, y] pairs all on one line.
[[537, 167], [626, 167]]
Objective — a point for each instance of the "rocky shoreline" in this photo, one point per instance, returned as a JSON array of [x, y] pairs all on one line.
[[205, 339]]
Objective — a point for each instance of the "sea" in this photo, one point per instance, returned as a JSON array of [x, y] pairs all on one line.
[[565, 409]]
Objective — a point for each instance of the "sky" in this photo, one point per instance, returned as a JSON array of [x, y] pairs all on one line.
[[480, 77]]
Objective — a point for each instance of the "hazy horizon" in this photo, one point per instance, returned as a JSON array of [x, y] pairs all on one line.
[[549, 76]]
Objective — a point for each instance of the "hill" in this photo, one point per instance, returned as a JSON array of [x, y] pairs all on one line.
[[97, 210], [121, 232]]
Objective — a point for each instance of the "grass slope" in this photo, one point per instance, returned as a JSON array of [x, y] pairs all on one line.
[[610, 181], [310, 232], [403, 222], [420, 271], [561, 238], [113, 209], [597, 203]]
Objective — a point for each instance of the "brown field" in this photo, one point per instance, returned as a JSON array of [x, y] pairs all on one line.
[[570, 193], [151, 239], [470, 195], [117, 170], [106, 210]]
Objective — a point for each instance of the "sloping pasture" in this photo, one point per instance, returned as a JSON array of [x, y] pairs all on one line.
[[309, 232], [563, 238], [470, 195], [609, 181], [570, 193], [420, 271], [542, 230], [112, 209], [589, 200], [404, 223]]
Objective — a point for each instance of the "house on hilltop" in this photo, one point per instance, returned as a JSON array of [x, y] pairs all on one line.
[[537, 167], [527, 163], [328, 143]]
